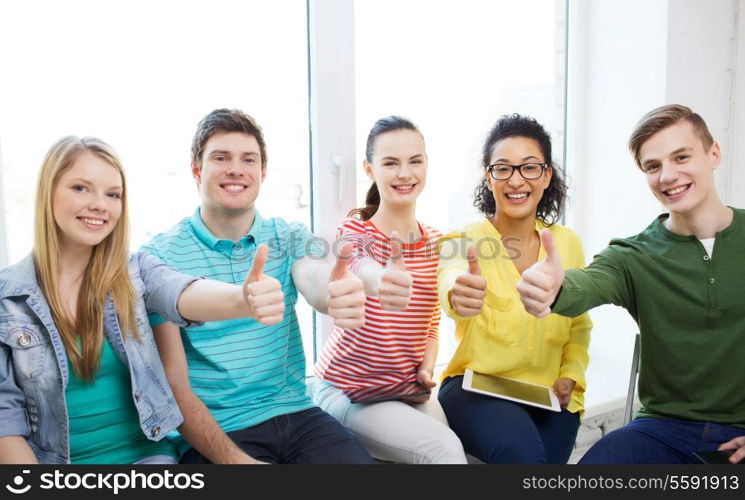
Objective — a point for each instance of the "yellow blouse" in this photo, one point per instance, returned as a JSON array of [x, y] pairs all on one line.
[[504, 339]]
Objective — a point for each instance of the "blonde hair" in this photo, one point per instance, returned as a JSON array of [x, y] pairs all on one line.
[[106, 272]]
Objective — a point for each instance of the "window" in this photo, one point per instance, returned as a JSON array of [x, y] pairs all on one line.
[[453, 71], [140, 75]]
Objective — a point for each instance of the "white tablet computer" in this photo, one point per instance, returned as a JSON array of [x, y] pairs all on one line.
[[511, 389]]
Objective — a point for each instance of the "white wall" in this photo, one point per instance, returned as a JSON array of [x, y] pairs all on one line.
[[3, 245], [736, 174], [700, 63], [625, 59], [332, 113]]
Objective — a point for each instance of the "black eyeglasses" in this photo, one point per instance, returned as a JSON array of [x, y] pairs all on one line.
[[503, 171]]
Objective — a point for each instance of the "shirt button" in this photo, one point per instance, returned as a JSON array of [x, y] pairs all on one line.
[[706, 257], [711, 280], [24, 340], [34, 428], [155, 431]]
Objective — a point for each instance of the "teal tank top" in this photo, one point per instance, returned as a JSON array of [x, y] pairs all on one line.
[[104, 423]]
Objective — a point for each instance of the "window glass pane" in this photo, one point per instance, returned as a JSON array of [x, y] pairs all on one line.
[[453, 70], [140, 75]]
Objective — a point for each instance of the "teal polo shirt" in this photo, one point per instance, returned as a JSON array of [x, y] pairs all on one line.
[[243, 371]]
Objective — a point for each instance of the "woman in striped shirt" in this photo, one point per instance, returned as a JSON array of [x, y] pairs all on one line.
[[376, 380]]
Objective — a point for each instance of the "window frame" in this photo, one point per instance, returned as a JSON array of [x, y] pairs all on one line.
[[331, 113]]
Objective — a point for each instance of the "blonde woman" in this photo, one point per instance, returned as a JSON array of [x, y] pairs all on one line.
[[80, 376]]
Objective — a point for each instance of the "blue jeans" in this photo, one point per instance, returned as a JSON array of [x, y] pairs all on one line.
[[651, 440], [499, 431], [307, 437]]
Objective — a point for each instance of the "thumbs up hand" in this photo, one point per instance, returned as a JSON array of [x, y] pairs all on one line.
[[263, 294], [542, 281], [467, 295], [346, 299], [394, 290]]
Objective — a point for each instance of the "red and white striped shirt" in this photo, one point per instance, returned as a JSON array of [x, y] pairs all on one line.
[[391, 345]]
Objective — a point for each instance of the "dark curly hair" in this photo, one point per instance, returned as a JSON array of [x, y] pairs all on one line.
[[551, 206]]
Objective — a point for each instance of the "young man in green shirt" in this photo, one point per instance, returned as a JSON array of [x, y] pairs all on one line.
[[683, 281]]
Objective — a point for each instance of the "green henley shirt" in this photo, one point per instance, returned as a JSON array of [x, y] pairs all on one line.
[[690, 309]]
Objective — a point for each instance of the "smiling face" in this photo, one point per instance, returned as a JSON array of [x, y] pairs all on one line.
[[517, 198], [230, 174], [679, 169], [87, 202], [398, 167]]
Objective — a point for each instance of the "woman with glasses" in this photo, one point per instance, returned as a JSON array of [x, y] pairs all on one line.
[[521, 194], [376, 379]]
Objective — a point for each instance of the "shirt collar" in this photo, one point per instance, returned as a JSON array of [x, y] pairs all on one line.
[[488, 227], [215, 243], [658, 226]]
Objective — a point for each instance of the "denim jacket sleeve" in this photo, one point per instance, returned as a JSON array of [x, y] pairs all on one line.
[[163, 287], [12, 399]]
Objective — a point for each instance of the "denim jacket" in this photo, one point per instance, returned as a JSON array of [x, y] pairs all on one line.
[[33, 364]]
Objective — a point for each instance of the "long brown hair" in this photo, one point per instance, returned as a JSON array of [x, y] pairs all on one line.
[[106, 272], [387, 124]]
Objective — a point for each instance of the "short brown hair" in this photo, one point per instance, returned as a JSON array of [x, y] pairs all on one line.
[[661, 118], [225, 121]]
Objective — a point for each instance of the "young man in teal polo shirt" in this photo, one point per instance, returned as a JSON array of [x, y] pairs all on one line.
[[683, 281], [241, 384]]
